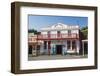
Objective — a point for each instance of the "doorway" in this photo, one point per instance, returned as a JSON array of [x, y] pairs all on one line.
[[59, 49], [85, 48], [29, 49]]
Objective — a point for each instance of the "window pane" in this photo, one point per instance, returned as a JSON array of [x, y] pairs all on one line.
[[45, 45], [68, 44], [73, 45]]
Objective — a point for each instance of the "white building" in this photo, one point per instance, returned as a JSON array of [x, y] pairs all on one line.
[[60, 39]]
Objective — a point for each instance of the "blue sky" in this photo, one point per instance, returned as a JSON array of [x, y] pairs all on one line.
[[39, 21]]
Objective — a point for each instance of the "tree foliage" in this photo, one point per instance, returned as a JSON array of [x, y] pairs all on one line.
[[33, 31], [84, 31]]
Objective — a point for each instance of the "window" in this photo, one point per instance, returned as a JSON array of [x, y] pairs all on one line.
[[73, 45], [68, 44], [69, 31], [30, 39], [45, 44], [38, 47], [34, 47], [58, 33], [48, 34]]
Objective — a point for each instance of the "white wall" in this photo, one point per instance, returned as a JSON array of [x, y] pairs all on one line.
[[78, 45], [62, 32], [53, 32], [75, 31], [5, 41], [43, 32]]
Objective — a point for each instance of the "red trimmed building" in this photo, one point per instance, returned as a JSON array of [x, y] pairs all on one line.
[[58, 39]]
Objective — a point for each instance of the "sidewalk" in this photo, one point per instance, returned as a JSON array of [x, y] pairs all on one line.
[[54, 57]]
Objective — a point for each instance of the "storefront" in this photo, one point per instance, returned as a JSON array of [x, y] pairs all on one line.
[[60, 47]]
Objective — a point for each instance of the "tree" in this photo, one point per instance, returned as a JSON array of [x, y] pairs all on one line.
[[33, 31], [84, 31]]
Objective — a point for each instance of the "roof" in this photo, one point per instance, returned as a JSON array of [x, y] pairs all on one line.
[[60, 26]]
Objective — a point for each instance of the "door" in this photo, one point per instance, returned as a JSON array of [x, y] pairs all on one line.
[[29, 49], [85, 48], [59, 49]]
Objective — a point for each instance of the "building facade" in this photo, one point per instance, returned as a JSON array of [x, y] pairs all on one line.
[[59, 39]]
